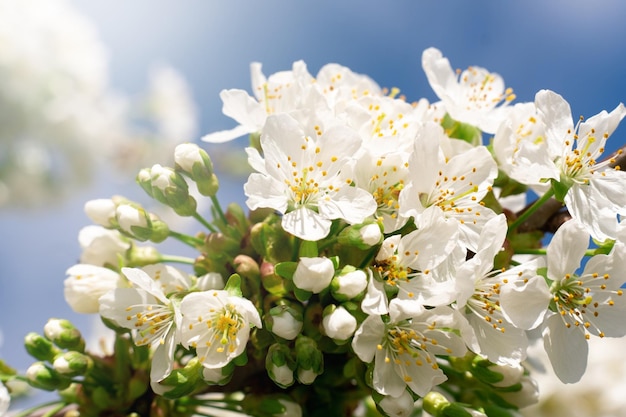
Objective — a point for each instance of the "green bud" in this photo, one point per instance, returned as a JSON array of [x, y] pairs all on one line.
[[271, 241], [437, 405], [273, 283], [63, 334], [280, 365], [247, 267], [527, 393], [41, 376], [183, 381], [72, 364], [39, 347], [496, 375], [196, 163], [221, 244], [138, 256], [309, 359], [168, 187], [363, 236], [236, 217], [137, 223]]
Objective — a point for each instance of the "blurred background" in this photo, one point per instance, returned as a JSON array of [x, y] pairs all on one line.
[[92, 90]]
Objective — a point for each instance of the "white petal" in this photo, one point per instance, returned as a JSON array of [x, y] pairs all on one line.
[[557, 115], [566, 250], [368, 337], [567, 349], [144, 281], [352, 204], [525, 305], [306, 224], [265, 191], [222, 136]]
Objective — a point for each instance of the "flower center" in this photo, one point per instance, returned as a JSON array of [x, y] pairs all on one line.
[[392, 271], [482, 91], [152, 322], [225, 324]]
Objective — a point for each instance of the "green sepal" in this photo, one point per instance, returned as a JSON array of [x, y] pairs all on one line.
[[286, 269], [184, 381], [302, 295], [560, 189], [308, 249], [463, 131], [233, 285]]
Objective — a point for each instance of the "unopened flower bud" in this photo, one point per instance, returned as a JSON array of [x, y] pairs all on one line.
[[210, 281], [285, 321], [526, 394], [362, 236], [271, 281], [246, 267], [237, 218], [309, 359], [168, 187], [218, 376], [501, 376], [291, 409], [101, 211], [338, 324], [196, 163], [183, 381], [40, 347], [63, 334], [101, 246], [435, 404], [349, 284], [401, 406], [43, 377], [279, 365], [139, 224], [313, 274], [85, 285], [72, 364], [220, 244]]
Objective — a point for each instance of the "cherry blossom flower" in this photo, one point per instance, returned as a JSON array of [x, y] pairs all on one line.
[[594, 192], [455, 185], [474, 96], [302, 178], [217, 324], [404, 349], [583, 303]]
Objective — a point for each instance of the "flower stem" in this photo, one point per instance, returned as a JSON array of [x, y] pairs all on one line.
[[177, 259], [218, 208], [30, 411], [530, 210], [186, 239], [204, 222]]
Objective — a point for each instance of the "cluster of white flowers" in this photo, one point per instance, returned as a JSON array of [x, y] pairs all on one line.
[[377, 235], [58, 113]]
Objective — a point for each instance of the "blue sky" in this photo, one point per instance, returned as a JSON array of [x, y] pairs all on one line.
[[570, 46]]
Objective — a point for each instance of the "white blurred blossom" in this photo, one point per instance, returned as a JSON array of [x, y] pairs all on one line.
[[58, 113]]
